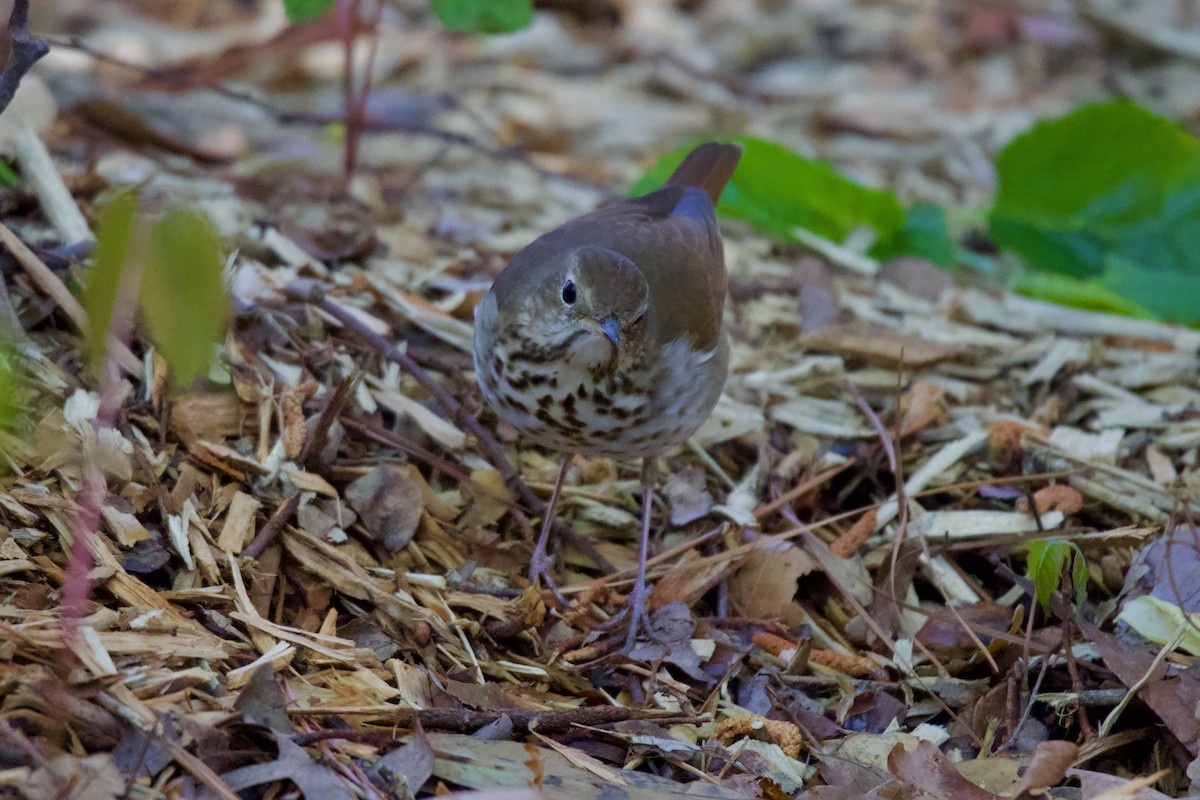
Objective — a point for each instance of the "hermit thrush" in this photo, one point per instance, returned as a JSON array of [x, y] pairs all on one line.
[[605, 337]]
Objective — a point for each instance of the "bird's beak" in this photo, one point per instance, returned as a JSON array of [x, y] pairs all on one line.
[[611, 329]]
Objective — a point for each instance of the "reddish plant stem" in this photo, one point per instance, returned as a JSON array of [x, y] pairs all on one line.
[[85, 525], [355, 100]]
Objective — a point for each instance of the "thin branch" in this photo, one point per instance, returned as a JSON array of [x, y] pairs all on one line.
[[24, 53]]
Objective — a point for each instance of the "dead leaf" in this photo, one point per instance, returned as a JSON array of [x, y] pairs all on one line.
[[925, 768], [93, 777], [316, 781], [765, 586], [1050, 763], [389, 504]]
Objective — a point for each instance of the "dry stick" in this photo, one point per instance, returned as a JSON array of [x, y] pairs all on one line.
[[466, 720], [272, 527], [801, 489], [57, 291], [310, 292], [24, 53]]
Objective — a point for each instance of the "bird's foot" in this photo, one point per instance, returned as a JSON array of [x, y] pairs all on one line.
[[539, 572], [635, 615]]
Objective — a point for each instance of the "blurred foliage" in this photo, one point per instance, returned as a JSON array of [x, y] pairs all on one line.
[[464, 16], [10, 388], [777, 190], [175, 263], [1107, 195], [1102, 205], [484, 16], [9, 179], [114, 243], [1045, 563], [301, 11]]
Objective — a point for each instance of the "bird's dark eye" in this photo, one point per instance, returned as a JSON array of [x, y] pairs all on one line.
[[568, 293]]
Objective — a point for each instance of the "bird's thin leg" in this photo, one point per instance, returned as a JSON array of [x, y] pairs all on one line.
[[636, 603], [539, 564]]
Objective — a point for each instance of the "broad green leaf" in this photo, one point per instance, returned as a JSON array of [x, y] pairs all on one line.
[[114, 244], [777, 191], [301, 11], [1077, 293], [1044, 566], [925, 234], [1108, 194], [484, 16], [183, 300]]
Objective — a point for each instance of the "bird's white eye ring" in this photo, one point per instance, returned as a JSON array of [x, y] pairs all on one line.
[[568, 293]]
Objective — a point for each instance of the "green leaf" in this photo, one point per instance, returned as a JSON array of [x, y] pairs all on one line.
[[1108, 195], [301, 11], [1044, 566], [1077, 293], [777, 190], [9, 179], [183, 300], [484, 16], [925, 234], [114, 242], [9, 388]]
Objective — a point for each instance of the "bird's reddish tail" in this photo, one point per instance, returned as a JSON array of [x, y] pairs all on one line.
[[708, 167]]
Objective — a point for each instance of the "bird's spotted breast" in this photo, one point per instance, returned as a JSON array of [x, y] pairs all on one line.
[[630, 414]]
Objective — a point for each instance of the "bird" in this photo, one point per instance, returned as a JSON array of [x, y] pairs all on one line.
[[605, 337]]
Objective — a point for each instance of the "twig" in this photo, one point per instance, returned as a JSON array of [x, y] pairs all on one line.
[[24, 53], [801, 489], [49, 283], [271, 528], [307, 291], [465, 720], [37, 167]]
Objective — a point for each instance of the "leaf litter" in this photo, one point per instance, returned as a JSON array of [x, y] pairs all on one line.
[[309, 566]]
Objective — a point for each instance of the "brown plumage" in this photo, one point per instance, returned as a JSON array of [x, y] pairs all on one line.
[[605, 336]]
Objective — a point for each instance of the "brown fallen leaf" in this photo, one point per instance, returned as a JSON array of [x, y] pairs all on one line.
[[389, 504], [1050, 763], [927, 769]]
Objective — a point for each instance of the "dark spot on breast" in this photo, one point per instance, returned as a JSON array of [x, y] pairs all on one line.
[[544, 401], [497, 365], [512, 402], [581, 391], [545, 416], [568, 405], [620, 413], [553, 381], [537, 380]]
